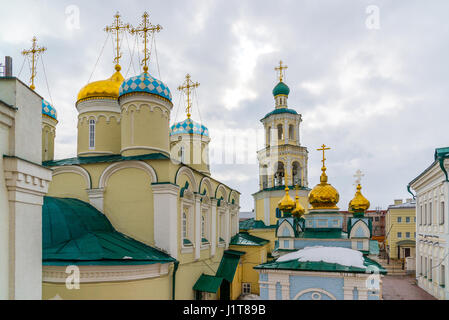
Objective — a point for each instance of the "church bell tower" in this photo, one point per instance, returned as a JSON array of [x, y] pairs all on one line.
[[283, 161]]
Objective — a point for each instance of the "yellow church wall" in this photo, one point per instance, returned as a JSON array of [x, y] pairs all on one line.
[[142, 127], [236, 285], [190, 270], [147, 289], [254, 256], [128, 204], [68, 185], [268, 234], [107, 134]]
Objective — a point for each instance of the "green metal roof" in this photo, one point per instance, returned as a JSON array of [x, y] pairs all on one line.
[[319, 266], [100, 159], [245, 239], [325, 234], [207, 283], [74, 232], [252, 223], [228, 264], [280, 111]]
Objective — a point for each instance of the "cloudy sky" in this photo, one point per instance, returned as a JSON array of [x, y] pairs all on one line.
[[375, 90]]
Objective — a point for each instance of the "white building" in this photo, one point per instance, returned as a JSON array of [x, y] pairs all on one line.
[[23, 183], [432, 228]]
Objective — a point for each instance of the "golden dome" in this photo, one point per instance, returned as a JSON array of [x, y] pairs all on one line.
[[108, 88], [324, 196], [299, 210], [359, 203], [286, 203]]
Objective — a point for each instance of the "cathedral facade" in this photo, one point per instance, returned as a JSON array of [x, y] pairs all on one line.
[[152, 220]]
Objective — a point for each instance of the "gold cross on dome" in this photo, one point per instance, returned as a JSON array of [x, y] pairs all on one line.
[[187, 86], [34, 52], [358, 175], [143, 30], [323, 148], [116, 29], [281, 69]]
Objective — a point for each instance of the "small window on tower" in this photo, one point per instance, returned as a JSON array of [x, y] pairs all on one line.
[[91, 134]]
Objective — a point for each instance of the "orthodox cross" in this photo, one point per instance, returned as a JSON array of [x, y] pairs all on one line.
[[187, 86], [281, 69], [323, 148], [143, 30], [116, 28], [358, 175], [34, 52]]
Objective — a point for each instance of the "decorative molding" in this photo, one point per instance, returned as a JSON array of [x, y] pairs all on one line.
[[26, 182], [89, 274], [165, 152], [189, 173], [321, 291], [109, 171], [74, 169]]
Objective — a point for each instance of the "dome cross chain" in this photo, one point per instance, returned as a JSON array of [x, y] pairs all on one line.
[[281, 69], [187, 87], [144, 29], [116, 29], [34, 52]]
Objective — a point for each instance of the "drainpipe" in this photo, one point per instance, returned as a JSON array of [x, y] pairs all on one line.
[[175, 268], [409, 191]]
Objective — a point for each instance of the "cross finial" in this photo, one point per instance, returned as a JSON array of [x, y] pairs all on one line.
[[281, 69], [34, 52], [187, 86], [324, 148], [358, 176], [143, 30], [116, 28]]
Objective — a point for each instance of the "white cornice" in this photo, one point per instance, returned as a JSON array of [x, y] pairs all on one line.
[[57, 274]]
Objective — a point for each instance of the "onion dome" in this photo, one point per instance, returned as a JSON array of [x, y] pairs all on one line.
[[108, 88], [48, 110], [324, 196], [281, 88], [299, 210], [145, 83], [190, 127], [286, 204], [359, 203]]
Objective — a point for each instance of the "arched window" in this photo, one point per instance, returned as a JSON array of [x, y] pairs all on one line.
[[184, 225], [291, 132], [280, 132], [279, 175], [91, 134], [296, 174], [182, 154]]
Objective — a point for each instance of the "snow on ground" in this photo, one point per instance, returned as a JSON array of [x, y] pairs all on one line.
[[343, 256]]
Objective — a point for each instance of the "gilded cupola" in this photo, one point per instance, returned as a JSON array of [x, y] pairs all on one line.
[[324, 196], [286, 204], [299, 209], [359, 204], [103, 89]]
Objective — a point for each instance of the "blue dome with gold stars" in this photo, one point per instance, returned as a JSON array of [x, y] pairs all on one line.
[[49, 110], [189, 126], [145, 83]]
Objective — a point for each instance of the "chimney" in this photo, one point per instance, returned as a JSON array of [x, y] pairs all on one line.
[[397, 201], [8, 66]]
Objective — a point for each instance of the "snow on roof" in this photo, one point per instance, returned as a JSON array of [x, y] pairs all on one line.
[[343, 256]]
